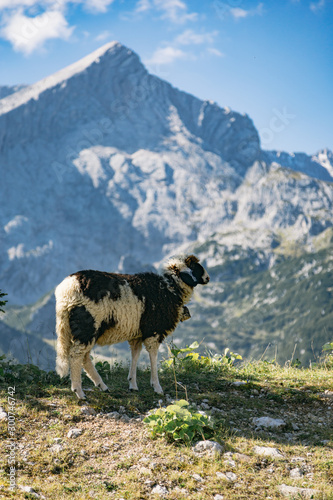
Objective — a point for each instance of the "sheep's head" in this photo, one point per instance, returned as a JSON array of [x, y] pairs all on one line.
[[188, 269]]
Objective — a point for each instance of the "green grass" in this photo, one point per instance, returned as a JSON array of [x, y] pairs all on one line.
[[116, 459]]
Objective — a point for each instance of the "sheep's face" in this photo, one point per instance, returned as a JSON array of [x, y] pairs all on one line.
[[189, 270]]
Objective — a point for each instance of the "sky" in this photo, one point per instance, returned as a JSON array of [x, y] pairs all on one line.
[[272, 60]]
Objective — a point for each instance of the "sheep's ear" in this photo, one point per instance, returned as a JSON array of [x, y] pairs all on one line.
[[188, 279], [190, 260]]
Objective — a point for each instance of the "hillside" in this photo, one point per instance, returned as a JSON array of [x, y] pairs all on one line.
[[105, 166], [104, 450]]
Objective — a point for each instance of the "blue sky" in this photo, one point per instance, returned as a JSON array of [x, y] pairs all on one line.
[[270, 59]]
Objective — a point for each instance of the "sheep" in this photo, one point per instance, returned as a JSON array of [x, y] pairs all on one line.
[[95, 307]]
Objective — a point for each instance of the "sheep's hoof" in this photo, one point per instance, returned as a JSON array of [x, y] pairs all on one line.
[[131, 389], [82, 396], [101, 388], [158, 389]]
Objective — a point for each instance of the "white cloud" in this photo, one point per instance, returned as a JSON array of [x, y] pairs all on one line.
[[215, 52], [315, 7], [103, 36], [27, 34], [175, 11], [189, 37], [5, 4], [143, 6], [174, 49], [239, 13], [97, 5], [58, 5], [167, 55]]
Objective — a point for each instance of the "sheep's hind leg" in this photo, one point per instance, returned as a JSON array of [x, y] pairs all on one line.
[[152, 344], [76, 356], [93, 373], [136, 346]]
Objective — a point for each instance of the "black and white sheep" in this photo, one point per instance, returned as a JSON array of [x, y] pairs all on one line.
[[94, 307]]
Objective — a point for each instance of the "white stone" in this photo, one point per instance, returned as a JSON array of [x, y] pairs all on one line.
[[231, 463], [231, 476], [218, 497], [159, 490], [268, 422], [267, 451], [3, 414], [31, 491], [227, 476], [293, 491], [113, 414], [88, 410], [198, 478], [296, 473], [74, 433], [208, 447]]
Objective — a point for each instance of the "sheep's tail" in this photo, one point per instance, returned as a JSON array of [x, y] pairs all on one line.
[[63, 342]]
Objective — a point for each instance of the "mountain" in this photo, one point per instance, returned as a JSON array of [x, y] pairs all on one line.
[[105, 166], [6, 90]]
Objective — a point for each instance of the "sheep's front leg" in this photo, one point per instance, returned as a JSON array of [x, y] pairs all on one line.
[[152, 344], [93, 373], [136, 346]]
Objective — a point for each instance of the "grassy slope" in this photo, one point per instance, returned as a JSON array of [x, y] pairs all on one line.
[[115, 459]]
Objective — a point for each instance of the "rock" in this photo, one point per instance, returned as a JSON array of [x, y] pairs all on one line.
[[296, 473], [31, 491], [293, 491], [56, 448], [267, 451], [88, 410], [268, 422], [241, 457], [237, 384], [113, 414], [208, 448], [231, 476], [125, 418], [198, 478], [297, 459], [218, 497], [3, 414], [327, 394], [74, 433], [160, 490], [230, 463], [205, 406], [227, 476]]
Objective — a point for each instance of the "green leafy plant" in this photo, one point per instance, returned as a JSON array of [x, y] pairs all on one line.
[[178, 354], [186, 356], [179, 422], [328, 347]]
